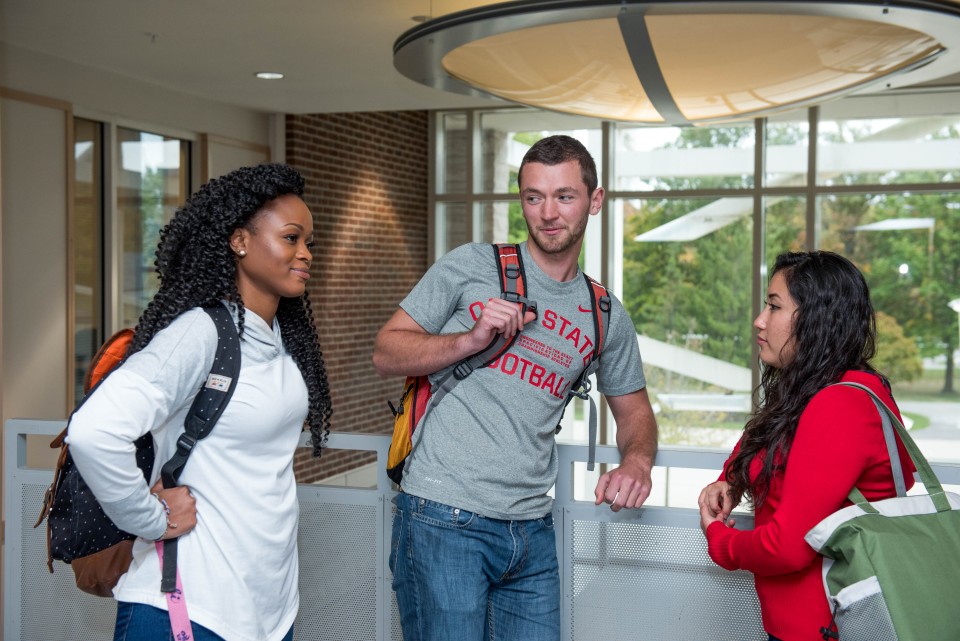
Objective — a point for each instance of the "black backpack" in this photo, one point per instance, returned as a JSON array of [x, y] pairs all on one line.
[[78, 531]]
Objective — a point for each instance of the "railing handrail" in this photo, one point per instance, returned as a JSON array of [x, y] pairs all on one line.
[[694, 457]]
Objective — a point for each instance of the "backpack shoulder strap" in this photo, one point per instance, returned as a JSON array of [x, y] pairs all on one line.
[[600, 305], [513, 278], [600, 311], [207, 408], [513, 288], [212, 398]]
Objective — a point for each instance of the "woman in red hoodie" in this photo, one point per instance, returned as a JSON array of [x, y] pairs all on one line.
[[808, 444]]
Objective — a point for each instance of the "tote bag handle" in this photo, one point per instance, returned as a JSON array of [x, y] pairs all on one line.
[[930, 481]]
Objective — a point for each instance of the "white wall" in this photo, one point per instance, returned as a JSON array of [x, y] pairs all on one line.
[[34, 229]]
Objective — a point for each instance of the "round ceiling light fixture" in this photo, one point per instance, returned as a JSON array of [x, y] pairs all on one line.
[[681, 62]]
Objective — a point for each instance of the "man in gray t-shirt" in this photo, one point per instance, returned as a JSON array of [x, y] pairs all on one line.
[[474, 552]]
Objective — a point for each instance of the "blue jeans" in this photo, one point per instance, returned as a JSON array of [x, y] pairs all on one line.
[[139, 622], [458, 575]]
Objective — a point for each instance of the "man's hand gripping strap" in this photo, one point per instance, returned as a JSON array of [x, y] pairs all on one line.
[[513, 288]]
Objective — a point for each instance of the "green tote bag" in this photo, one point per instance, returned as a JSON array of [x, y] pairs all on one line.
[[891, 568]]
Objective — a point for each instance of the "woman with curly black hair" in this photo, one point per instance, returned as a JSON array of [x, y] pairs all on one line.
[[808, 444], [244, 241]]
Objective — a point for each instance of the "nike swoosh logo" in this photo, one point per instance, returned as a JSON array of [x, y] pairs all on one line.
[[585, 311]]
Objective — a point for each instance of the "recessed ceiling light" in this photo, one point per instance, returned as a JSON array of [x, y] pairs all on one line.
[[269, 75]]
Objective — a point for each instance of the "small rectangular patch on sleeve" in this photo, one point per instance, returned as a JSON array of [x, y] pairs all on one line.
[[218, 382]]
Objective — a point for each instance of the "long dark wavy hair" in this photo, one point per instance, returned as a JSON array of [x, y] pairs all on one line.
[[834, 330], [197, 268]]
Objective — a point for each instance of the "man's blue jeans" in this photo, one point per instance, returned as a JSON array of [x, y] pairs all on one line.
[[458, 575]]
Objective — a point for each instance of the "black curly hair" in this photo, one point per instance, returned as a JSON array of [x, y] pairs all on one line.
[[834, 330], [197, 268]]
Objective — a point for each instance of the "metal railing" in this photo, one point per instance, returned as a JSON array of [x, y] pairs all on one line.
[[642, 575]]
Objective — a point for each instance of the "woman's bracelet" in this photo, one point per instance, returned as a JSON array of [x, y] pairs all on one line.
[[166, 508], [166, 511]]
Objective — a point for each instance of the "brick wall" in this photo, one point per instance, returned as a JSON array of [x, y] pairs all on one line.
[[366, 184]]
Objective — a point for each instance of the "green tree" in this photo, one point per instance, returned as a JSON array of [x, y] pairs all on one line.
[[912, 273], [897, 355], [695, 294]]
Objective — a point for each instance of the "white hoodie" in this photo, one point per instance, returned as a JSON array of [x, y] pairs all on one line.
[[239, 565]]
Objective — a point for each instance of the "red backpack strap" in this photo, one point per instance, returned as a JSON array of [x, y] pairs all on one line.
[[600, 306], [513, 279]]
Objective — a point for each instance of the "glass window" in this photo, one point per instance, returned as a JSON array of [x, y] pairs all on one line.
[[501, 222], [687, 287], [885, 151], [785, 228], [506, 136], [454, 149], [87, 246], [152, 182], [453, 228], [500, 155], [907, 245], [678, 158], [787, 152]]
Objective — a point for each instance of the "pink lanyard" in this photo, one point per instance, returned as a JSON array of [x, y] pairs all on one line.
[[177, 606]]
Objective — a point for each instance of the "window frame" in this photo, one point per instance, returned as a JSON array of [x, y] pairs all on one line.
[[110, 225]]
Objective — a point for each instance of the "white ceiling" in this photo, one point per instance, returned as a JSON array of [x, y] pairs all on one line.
[[337, 54]]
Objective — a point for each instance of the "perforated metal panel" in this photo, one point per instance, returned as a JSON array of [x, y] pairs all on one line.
[[338, 572], [396, 632], [51, 606], [651, 583]]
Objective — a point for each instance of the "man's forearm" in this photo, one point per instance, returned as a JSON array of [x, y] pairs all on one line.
[[639, 445], [636, 428], [401, 352], [404, 348]]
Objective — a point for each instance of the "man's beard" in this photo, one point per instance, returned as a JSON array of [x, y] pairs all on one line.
[[561, 243]]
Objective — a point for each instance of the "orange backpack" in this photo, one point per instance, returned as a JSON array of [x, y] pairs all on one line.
[[110, 354]]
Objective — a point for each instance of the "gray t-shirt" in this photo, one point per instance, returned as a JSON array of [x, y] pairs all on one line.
[[488, 446]]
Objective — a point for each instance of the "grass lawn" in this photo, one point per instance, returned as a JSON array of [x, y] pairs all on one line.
[[919, 421]]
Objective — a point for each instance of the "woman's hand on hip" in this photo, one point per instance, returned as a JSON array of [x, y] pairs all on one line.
[[180, 508]]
